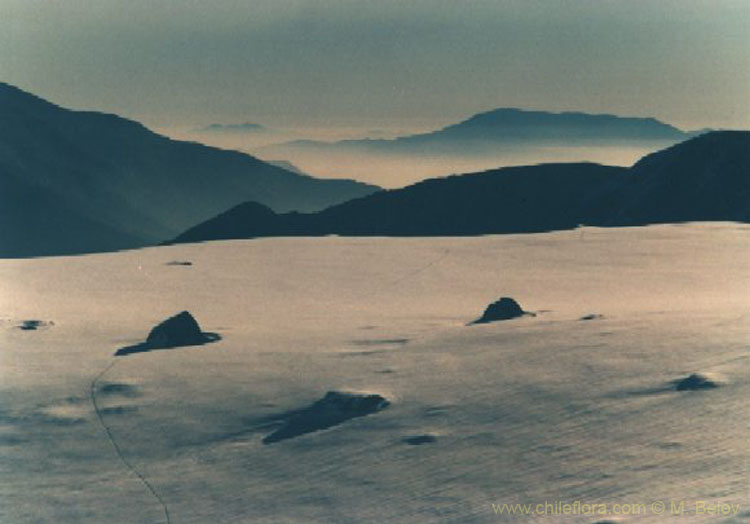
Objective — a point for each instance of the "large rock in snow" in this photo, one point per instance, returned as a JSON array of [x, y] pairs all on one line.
[[179, 330], [334, 408], [694, 382], [504, 309]]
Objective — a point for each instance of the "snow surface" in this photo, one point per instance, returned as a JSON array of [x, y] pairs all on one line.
[[545, 408]]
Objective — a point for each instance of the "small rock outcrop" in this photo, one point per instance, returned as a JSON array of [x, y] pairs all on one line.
[[179, 330], [418, 440], [33, 325], [504, 309], [694, 382], [333, 409]]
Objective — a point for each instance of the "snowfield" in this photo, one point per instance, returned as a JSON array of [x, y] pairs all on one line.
[[539, 409]]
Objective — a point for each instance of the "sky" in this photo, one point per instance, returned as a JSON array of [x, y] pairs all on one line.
[[381, 64]]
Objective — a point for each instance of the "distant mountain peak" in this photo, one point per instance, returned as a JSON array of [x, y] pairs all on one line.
[[514, 127], [245, 127], [571, 125]]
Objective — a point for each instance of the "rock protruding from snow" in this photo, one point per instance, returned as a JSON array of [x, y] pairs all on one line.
[[179, 330], [504, 309], [33, 325], [694, 382], [418, 440], [333, 409]]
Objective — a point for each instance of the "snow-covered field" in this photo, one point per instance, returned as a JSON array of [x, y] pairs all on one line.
[[538, 409]]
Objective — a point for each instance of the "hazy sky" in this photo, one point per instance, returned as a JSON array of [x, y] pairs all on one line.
[[381, 62]]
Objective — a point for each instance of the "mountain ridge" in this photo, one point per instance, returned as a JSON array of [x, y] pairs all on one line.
[[116, 173], [706, 178], [515, 125]]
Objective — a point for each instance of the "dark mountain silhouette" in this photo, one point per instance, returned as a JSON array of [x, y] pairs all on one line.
[[79, 181], [704, 178], [509, 127], [35, 222], [246, 220], [514, 199]]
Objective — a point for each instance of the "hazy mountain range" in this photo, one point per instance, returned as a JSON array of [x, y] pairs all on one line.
[[498, 138], [247, 127], [80, 181], [706, 178], [515, 127]]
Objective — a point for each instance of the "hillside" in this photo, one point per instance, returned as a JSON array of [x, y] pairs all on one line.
[[99, 172], [515, 199], [704, 178]]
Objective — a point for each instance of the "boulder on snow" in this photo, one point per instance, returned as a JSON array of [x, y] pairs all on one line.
[[504, 309], [695, 382], [33, 325], [418, 440], [333, 409], [179, 330]]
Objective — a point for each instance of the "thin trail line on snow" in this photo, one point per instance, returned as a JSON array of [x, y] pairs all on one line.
[[422, 269], [111, 438]]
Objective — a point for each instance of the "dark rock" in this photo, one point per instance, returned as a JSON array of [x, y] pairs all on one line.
[[418, 440], [504, 309], [591, 316], [333, 409], [694, 382], [33, 325], [179, 330], [381, 342], [180, 263]]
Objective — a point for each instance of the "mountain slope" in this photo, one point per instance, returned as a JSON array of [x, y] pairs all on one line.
[[705, 178], [111, 171], [515, 199], [36, 223]]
